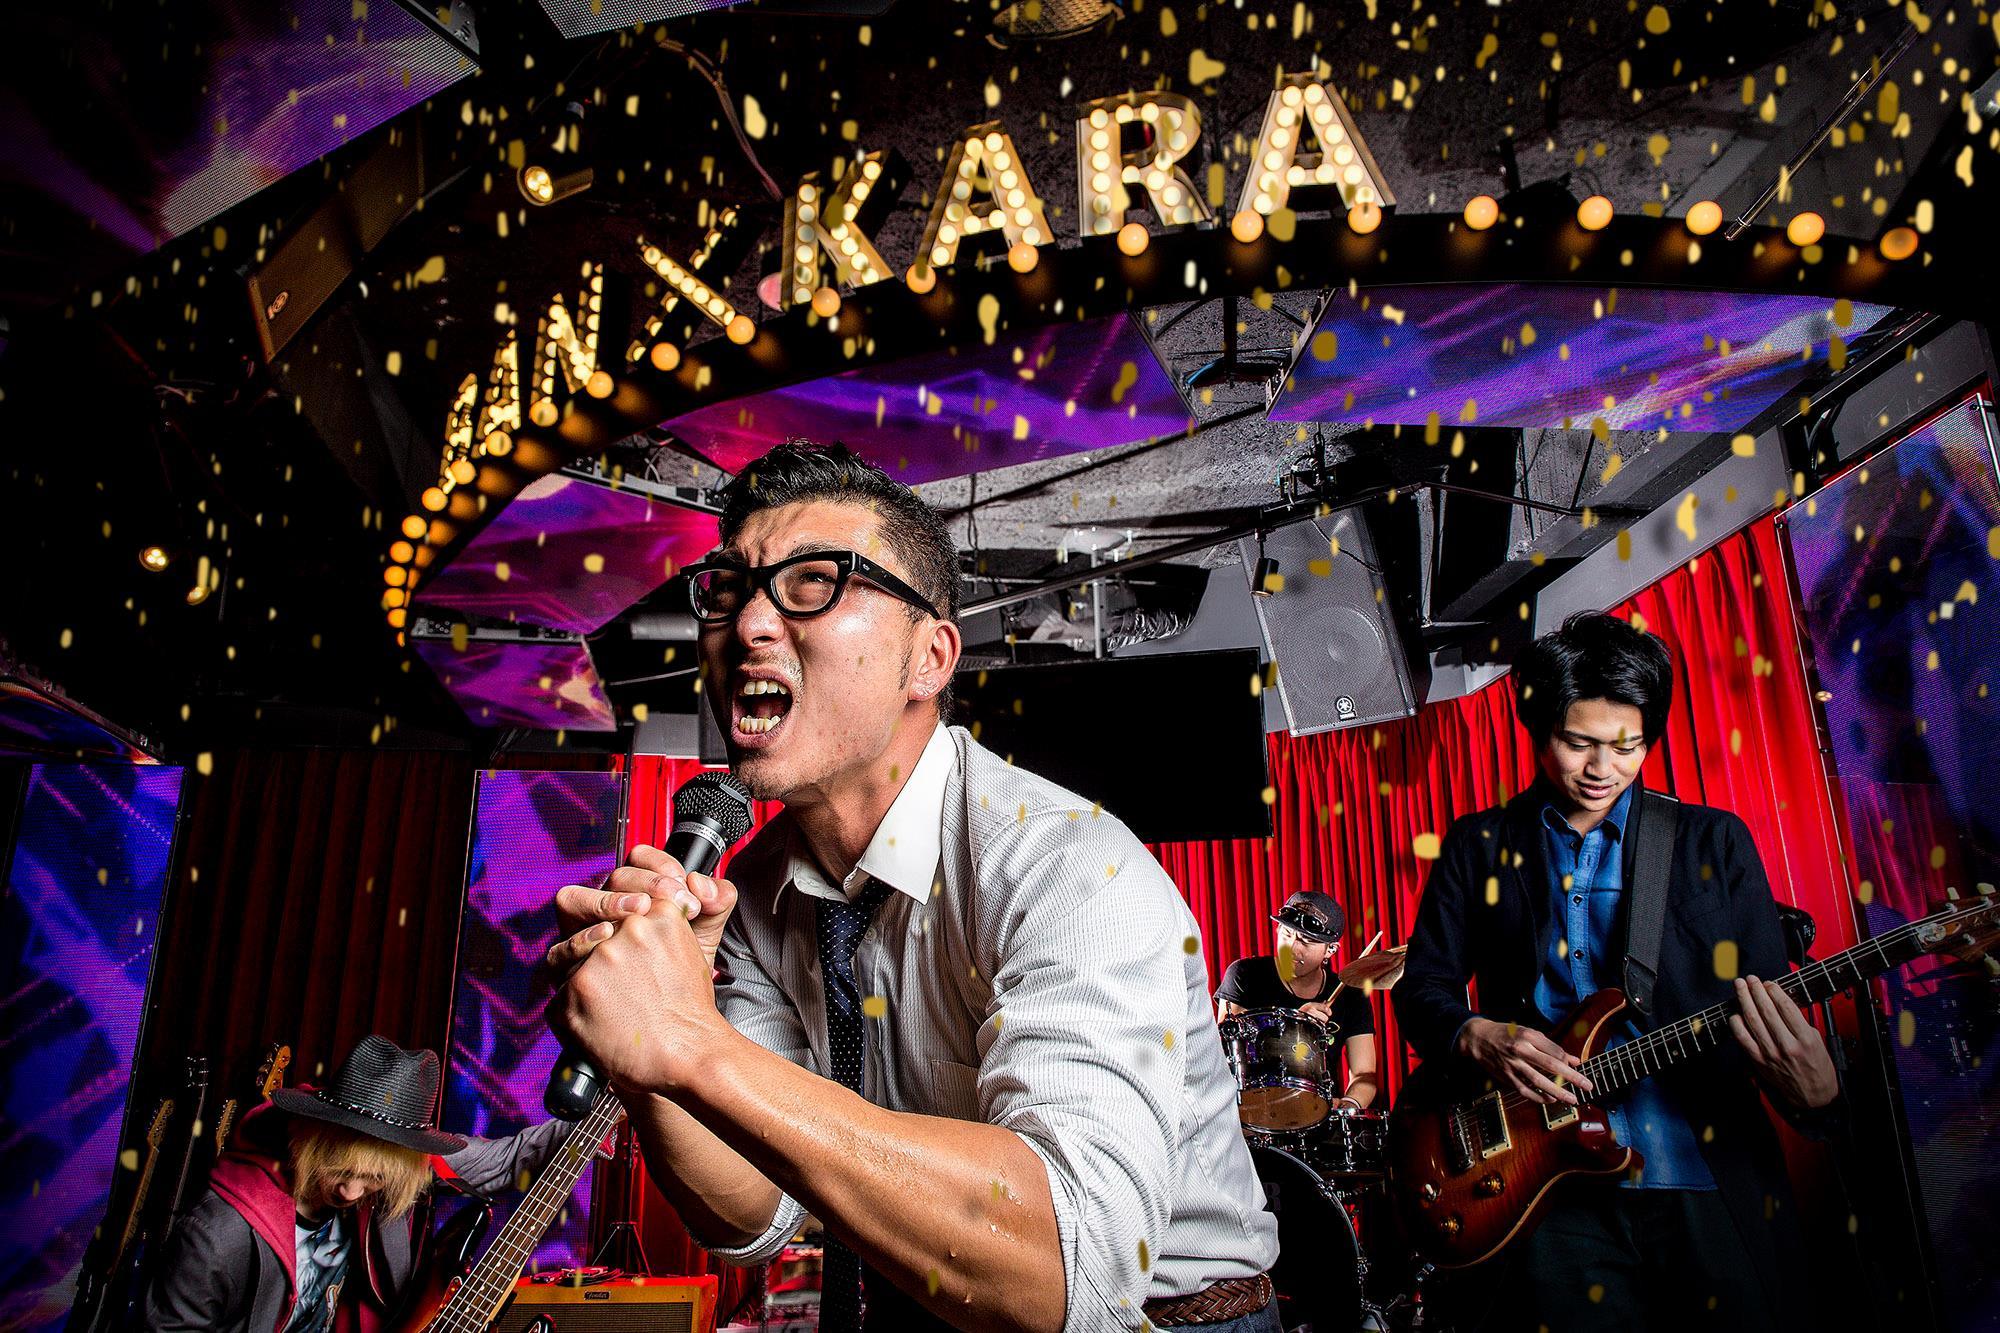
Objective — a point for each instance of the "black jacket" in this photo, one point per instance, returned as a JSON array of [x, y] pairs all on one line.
[[1485, 916]]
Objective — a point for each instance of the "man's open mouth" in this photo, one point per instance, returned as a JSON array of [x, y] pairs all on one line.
[[760, 706]]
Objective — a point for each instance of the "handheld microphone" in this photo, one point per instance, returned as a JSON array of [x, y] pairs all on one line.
[[711, 811]]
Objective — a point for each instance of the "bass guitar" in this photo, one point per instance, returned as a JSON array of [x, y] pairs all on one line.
[[450, 1297], [1471, 1165]]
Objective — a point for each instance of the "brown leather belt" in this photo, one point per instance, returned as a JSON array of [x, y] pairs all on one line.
[[1232, 1298]]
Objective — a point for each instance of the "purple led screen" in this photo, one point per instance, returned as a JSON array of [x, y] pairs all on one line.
[[36, 725], [1899, 582], [545, 686], [1060, 390], [568, 554], [233, 96], [1549, 356], [532, 833], [77, 924]]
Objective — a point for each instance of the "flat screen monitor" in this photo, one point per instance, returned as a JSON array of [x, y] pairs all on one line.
[[569, 553], [1062, 389], [1171, 744], [1546, 356], [36, 721], [544, 685]]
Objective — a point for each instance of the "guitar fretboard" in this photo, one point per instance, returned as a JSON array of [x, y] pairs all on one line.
[[491, 1281], [1621, 1066]]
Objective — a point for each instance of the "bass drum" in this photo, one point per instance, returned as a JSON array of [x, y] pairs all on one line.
[[1318, 1273]]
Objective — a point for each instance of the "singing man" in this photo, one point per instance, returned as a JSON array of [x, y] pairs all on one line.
[[962, 1017]]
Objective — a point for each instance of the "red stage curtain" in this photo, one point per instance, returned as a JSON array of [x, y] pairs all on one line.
[[316, 899], [1354, 810]]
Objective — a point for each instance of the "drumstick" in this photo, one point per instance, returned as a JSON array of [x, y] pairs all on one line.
[[1363, 954]]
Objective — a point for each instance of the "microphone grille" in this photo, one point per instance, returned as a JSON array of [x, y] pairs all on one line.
[[718, 799]]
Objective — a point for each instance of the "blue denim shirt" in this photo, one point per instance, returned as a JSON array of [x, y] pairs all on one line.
[[1586, 882]]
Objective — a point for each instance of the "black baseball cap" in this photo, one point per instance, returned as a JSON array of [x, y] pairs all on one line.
[[1314, 915]]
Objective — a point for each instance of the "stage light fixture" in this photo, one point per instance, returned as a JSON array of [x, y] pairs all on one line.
[[153, 558], [1898, 243], [1594, 213], [1704, 217], [1247, 225], [542, 187], [1481, 211], [1805, 229], [1133, 238], [1266, 581]]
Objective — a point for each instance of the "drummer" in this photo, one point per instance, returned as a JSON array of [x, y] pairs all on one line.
[[1297, 976]]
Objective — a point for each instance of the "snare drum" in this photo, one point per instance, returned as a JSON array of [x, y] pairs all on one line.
[[1353, 1143], [1283, 1079]]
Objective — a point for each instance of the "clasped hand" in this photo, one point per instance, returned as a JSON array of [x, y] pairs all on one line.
[[636, 963]]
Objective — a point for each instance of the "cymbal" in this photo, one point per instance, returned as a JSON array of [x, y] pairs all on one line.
[[1376, 971]]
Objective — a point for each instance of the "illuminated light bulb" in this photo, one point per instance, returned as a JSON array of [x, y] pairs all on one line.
[[543, 413], [433, 499], [538, 184], [1365, 216], [499, 444], [395, 575], [153, 558], [1022, 257], [392, 597], [826, 303], [1481, 211], [1898, 243], [1704, 217], [1594, 213], [665, 356], [1133, 238], [1247, 225], [463, 471], [1805, 229], [741, 330], [414, 527], [401, 552], [921, 278], [397, 617]]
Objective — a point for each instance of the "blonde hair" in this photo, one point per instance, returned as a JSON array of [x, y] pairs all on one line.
[[324, 1154]]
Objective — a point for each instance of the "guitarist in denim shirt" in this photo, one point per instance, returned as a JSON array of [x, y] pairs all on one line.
[[1529, 900]]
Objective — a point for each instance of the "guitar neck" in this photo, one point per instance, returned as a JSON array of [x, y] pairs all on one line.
[[1618, 1068], [492, 1279]]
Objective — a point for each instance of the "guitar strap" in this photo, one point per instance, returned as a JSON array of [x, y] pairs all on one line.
[[1646, 895]]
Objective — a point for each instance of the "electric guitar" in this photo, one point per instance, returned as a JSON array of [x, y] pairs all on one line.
[[1471, 1165], [197, 1082], [270, 1077], [446, 1297], [98, 1289]]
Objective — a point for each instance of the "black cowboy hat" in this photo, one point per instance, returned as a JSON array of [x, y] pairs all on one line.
[[1314, 915], [380, 1090]]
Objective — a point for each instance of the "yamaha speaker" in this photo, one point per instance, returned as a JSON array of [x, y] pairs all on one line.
[[310, 264], [624, 1305], [1329, 626]]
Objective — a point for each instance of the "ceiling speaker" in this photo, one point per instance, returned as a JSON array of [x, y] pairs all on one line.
[[1328, 626]]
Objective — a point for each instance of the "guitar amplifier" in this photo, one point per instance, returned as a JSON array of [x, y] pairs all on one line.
[[623, 1305]]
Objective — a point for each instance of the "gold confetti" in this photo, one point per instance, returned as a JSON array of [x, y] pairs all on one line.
[[875, 1006], [1191, 946], [1725, 959], [1426, 845], [1145, 1256], [1492, 890]]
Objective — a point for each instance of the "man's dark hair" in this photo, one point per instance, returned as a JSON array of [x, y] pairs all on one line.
[[1593, 656], [800, 470]]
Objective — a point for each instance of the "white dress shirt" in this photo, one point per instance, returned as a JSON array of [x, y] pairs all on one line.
[[1037, 970]]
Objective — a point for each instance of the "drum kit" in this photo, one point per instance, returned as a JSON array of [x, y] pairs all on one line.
[[1324, 1167]]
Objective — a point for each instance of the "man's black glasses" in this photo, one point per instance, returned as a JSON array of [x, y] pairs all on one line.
[[803, 585]]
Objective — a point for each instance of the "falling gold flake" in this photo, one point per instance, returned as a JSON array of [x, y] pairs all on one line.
[[1426, 846], [1191, 946], [875, 1006], [1725, 959], [754, 123]]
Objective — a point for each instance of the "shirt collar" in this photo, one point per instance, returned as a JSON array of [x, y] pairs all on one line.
[[904, 851], [1614, 819]]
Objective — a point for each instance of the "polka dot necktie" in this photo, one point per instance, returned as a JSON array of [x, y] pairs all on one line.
[[841, 925]]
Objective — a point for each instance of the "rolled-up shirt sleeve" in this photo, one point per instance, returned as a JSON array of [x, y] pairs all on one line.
[[755, 1006], [1082, 1055]]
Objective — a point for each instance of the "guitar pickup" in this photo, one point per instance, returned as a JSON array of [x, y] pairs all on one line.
[[1558, 1115], [1490, 1125]]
